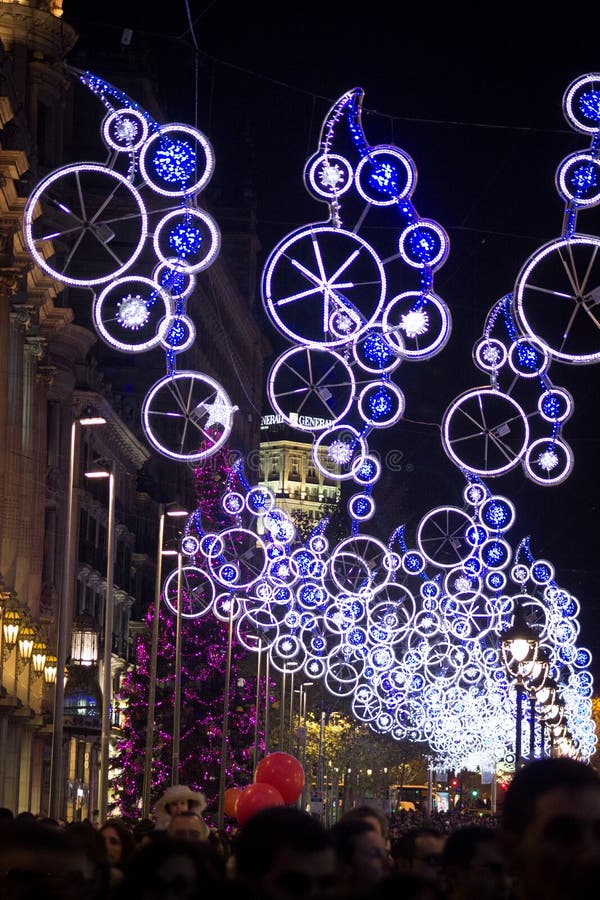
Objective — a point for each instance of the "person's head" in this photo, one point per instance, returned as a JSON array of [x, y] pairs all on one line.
[[362, 853], [118, 840], [419, 851], [551, 829], [143, 831], [39, 860], [188, 825], [285, 853], [176, 799], [170, 869], [406, 886], [372, 815], [473, 865]]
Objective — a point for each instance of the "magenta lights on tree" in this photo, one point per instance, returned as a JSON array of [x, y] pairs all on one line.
[[204, 649]]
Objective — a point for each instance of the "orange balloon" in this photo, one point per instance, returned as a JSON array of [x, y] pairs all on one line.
[[230, 799], [255, 797], [283, 772]]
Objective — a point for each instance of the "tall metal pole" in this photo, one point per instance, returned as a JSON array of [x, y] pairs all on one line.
[[531, 726], [282, 709], [257, 707], [64, 616], [267, 707], [291, 717], [107, 656], [519, 718], [147, 785], [224, 736], [177, 699]]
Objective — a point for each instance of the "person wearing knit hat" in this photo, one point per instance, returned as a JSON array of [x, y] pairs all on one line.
[[176, 799]]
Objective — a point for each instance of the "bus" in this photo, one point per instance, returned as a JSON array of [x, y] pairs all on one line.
[[412, 797]]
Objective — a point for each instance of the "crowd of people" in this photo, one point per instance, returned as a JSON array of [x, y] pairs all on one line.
[[544, 845]]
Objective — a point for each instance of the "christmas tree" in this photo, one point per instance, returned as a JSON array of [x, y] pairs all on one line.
[[203, 655]]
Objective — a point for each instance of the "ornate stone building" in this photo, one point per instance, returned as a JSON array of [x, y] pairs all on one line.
[[53, 370]]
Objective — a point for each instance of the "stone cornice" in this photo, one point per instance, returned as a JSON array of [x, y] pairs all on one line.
[[36, 29]]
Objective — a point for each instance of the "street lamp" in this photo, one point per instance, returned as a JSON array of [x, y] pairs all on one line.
[[173, 511], [535, 681], [520, 645], [63, 615], [107, 472]]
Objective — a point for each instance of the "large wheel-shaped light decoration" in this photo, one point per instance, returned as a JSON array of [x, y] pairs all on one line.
[[358, 565], [311, 388], [93, 217], [442, 536], [416, 324], [485, 432], [190, 236], [177, 160], [323, 286], [187, 416], [557, 298], [197, 592], [238, 559], [132, 314]]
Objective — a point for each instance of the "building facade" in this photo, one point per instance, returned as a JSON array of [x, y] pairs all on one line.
[[68, 552]]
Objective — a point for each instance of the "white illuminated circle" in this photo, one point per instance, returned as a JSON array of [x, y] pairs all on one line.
[[192, 235], [441, 536], [311, 388], [424, 244], [497, 513], [187, 416], [328, 175], [485, 432], [197, 592], [125, 130], [233, 503], [416, 324], [385, 175], [226, 607], [190, 545], [337, 451], [548, 462], [94, 218], [490, 354], [578, 179], [556, 298], [474, 494], [542, 571], [495, 553], [177, 160], [132, 314], [320, 280], [580, 104], [381, 404]]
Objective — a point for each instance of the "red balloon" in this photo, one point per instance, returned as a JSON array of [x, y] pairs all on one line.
[[283, 772], [230, 799], [255, 797]]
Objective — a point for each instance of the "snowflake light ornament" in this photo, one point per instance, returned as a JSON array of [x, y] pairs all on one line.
[[132, 312]]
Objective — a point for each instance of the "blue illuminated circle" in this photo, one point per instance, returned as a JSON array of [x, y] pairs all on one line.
[[581, 104], [385, 175], [555, 405], [177, 160], [373, 353], [424, 244], [180, 335], [361, 507], [381, 404], [497, 513], [578, 179], [192, 235]]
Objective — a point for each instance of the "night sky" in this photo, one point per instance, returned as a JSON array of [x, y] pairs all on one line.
[[477, 103]]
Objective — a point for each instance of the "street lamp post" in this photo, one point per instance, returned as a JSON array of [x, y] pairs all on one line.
[[108, 630], [225, 729], [63, 615], [520, 645], [153, 670], [177, 698]]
